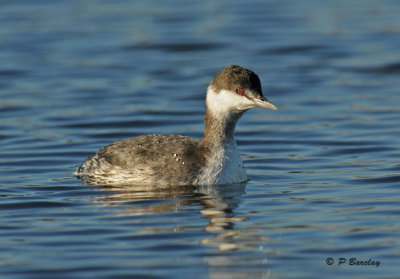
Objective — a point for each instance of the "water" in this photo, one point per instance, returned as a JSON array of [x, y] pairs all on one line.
[[324, 169]]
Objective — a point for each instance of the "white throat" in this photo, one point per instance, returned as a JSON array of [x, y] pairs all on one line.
[[223, 103]]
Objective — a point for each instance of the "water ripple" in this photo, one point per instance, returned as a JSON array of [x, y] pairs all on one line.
[[177, 47]]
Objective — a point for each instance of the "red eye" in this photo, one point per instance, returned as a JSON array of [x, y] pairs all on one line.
[[240, 91]]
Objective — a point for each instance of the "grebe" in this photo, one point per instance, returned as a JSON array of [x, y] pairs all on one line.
[[179, 160]]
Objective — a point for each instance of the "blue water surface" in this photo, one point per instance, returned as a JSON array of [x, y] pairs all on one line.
[[324, 189]]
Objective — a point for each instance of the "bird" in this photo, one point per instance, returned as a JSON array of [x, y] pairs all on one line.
[[166, 160]]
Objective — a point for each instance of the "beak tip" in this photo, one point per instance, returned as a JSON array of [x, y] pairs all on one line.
[[265, 103]]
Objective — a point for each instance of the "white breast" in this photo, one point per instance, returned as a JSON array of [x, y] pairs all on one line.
[[225, 166]]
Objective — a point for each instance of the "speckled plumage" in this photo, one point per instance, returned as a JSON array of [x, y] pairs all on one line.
[[142, 159], [179, 160]]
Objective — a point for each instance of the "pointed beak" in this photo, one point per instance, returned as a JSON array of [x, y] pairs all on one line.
[[264, 103]]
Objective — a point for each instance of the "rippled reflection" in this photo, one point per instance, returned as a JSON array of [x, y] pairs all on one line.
[[215, 203]]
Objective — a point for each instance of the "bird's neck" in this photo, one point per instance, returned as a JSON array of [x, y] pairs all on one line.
[[219, 127]]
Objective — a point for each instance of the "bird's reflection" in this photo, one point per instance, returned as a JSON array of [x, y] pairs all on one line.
[[217, 204]]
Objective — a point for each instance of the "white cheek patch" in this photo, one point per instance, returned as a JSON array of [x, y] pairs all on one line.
[[224, 101]]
